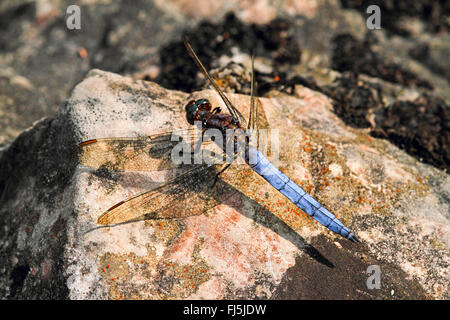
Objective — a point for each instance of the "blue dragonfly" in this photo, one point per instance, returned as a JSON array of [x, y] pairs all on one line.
[[191, 189]]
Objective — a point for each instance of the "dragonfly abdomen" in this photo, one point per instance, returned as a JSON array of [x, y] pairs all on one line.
[[297, 195]]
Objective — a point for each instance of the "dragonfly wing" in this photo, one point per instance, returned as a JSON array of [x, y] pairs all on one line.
[[252, 115], [188, 194], [258, 121], [257, 117], [261, 121], [148, 153], [231, 109]]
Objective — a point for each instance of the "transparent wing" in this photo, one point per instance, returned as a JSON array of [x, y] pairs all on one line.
[[257, 116], [253, 111], [231, 109], [188, 194], [261, 121], [148, 153]]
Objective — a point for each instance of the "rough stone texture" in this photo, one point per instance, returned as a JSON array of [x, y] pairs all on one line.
[[41, 60], [248, 246], [254, 244]]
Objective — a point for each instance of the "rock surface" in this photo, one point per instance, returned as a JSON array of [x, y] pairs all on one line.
[[253, 244], [41, 60]]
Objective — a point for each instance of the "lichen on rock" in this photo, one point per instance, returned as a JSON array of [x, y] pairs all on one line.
[[252, 244]]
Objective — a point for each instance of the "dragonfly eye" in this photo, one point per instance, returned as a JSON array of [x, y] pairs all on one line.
[[204, 104], [191, 111], [192, 108], [189, 105]]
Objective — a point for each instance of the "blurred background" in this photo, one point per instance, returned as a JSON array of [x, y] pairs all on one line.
[[394, 81]]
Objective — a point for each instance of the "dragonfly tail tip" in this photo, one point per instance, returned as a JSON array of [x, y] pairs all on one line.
[[355, 239]]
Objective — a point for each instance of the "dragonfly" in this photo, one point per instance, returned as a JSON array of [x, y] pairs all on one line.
[[190, 191]]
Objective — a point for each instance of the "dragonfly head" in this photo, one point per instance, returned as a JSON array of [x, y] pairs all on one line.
[[194, 106]]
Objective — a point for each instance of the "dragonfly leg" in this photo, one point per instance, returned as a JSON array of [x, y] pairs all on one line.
[[221, 171], [215, 110]]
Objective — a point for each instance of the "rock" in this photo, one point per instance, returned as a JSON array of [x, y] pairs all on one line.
[[41, 60], [252, 244]]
